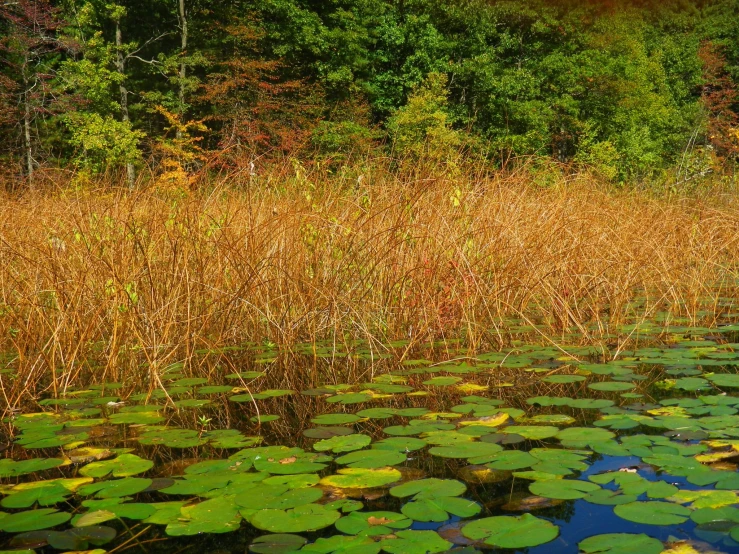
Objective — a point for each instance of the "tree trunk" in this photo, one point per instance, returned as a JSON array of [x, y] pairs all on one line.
[[121, 68], [183, 65], [27, 125]]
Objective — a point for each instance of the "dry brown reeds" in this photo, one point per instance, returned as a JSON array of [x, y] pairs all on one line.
[[102, 285]]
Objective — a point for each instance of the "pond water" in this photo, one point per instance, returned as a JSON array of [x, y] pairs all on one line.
[[533, 448]]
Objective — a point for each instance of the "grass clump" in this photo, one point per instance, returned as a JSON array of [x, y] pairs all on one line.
[[99, 285]]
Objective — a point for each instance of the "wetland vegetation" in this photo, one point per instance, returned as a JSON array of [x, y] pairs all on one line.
[[466, 364], [369, 276]]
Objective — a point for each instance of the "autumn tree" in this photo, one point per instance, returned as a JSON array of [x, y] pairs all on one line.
[[720, 100], [251, 106]]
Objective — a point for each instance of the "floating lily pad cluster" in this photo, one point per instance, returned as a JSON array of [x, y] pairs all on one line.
[[528, 423]]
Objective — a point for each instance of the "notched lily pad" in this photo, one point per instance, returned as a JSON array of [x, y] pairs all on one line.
[[510, 531]]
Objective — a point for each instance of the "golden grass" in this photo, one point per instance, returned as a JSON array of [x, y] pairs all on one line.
[[102, 285]]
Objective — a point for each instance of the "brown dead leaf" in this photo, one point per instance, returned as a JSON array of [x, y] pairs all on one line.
[[372, 520]]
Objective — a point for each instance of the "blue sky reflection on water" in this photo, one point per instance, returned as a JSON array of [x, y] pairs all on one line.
[[593, 519]]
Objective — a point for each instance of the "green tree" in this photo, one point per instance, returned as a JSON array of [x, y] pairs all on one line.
[[422, 129]]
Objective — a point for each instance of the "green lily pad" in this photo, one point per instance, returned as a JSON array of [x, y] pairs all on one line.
[[429, 488], [165, 513], [173, 438], [653, 513], [345, 443], [563, 489], [511, 459], [136, 418], [620, 543], [371, 459], [728, 380], [124, 465], [606, 497], [297, 481], [709, 515], [469, 450], [584, 435], [47, 495], [438, 508], [217, 515], [277, 543], [11, 468], [402, 444], [350, 398], [310, 517], [563, 379], [359, 478], [132, 510], [277, 497], [442, 381], [532, 432], [589, 403], [192, 403], [94, 517], [372, 523], [412, 430], [214, 389], [335, 419], [33, 520], [511, 532], [415, 542], [116, 488], [611, 386], [286, 466]]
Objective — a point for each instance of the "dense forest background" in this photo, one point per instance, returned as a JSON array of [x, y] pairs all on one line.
[[633, 91]]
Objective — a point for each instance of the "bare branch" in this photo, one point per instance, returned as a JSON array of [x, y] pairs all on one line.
[[147, 43]]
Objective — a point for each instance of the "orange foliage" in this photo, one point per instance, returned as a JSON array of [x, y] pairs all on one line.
[[719, 98], [254, 108]]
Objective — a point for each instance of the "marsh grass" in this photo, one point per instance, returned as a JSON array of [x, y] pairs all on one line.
[[108, 285]]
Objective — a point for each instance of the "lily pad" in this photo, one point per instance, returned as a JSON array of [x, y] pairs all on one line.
[[116, 488], [11, 468], [429, 488], [33, 520], [371, 459], [584, 435], [124, 465], [466, 450], [359, 478], [438, 509], [727, 380], [345, 443], [334, 419], [532, 432], [512, 459], [217, 515], [278, 497], [611, 386], [653, 513], [310, 517], [372, 523], [563, 489], [563, 379], [621, 543], [511, 532], [415, 542], [277, 543], [402, 444]]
